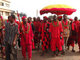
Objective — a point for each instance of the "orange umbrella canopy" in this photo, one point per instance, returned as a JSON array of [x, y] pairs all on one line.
[[58, 9]]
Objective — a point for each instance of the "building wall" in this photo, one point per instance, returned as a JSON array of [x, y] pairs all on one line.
[[5, 8]]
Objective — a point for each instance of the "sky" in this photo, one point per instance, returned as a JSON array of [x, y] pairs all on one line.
[[31, 7]]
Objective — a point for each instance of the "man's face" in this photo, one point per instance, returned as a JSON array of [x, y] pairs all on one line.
[[38, 18], [11, 19], [24, 20], [64, 17], [29, 19], [54, 17], [75, 18], [34, 19]]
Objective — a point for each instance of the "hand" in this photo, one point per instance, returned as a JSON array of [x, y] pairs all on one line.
[[14, 43], [41, 41], [32, 40], [60, 37]]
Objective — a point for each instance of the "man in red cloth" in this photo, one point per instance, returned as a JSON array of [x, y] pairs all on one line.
[[79, 36], [76, 23], [39, 31], [45, 35], [36, 32], [56, 30], [32, 25], [71, 37], [26, 38]]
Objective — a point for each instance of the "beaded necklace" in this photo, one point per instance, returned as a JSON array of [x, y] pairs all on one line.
[[54, 24]]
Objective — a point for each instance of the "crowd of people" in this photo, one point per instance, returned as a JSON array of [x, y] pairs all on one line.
[[54, 34]]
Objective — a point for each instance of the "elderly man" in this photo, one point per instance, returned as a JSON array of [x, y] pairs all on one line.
[[65, 26], [26, 38], [56, 30]]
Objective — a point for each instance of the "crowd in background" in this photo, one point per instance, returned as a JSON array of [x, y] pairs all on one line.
[[55, 34]]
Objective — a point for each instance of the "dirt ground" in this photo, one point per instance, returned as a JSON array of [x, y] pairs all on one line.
[[68, 56]]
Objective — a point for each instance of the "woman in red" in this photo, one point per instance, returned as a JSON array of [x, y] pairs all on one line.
[[26, 38]]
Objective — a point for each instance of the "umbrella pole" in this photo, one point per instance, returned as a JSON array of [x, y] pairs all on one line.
[[37, 13]]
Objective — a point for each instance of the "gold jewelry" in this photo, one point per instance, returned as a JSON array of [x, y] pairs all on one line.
[[65, 25], [54, 24]]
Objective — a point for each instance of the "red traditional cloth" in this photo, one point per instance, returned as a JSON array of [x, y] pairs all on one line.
[[72, 26], [29, 35], [45, 36], [33, 46], [79, 35], [28, 42], [62, 41], [76, 25], [55, 36], [40, 29], [37, 26], [71, 37], [17, 22]]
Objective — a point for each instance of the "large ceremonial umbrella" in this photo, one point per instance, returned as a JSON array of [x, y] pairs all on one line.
[[58, 9]]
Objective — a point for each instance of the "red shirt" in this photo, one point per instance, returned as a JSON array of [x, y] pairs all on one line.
[[36, 25], [76, 23], [79, 29], [55, 31], [28, 36]]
